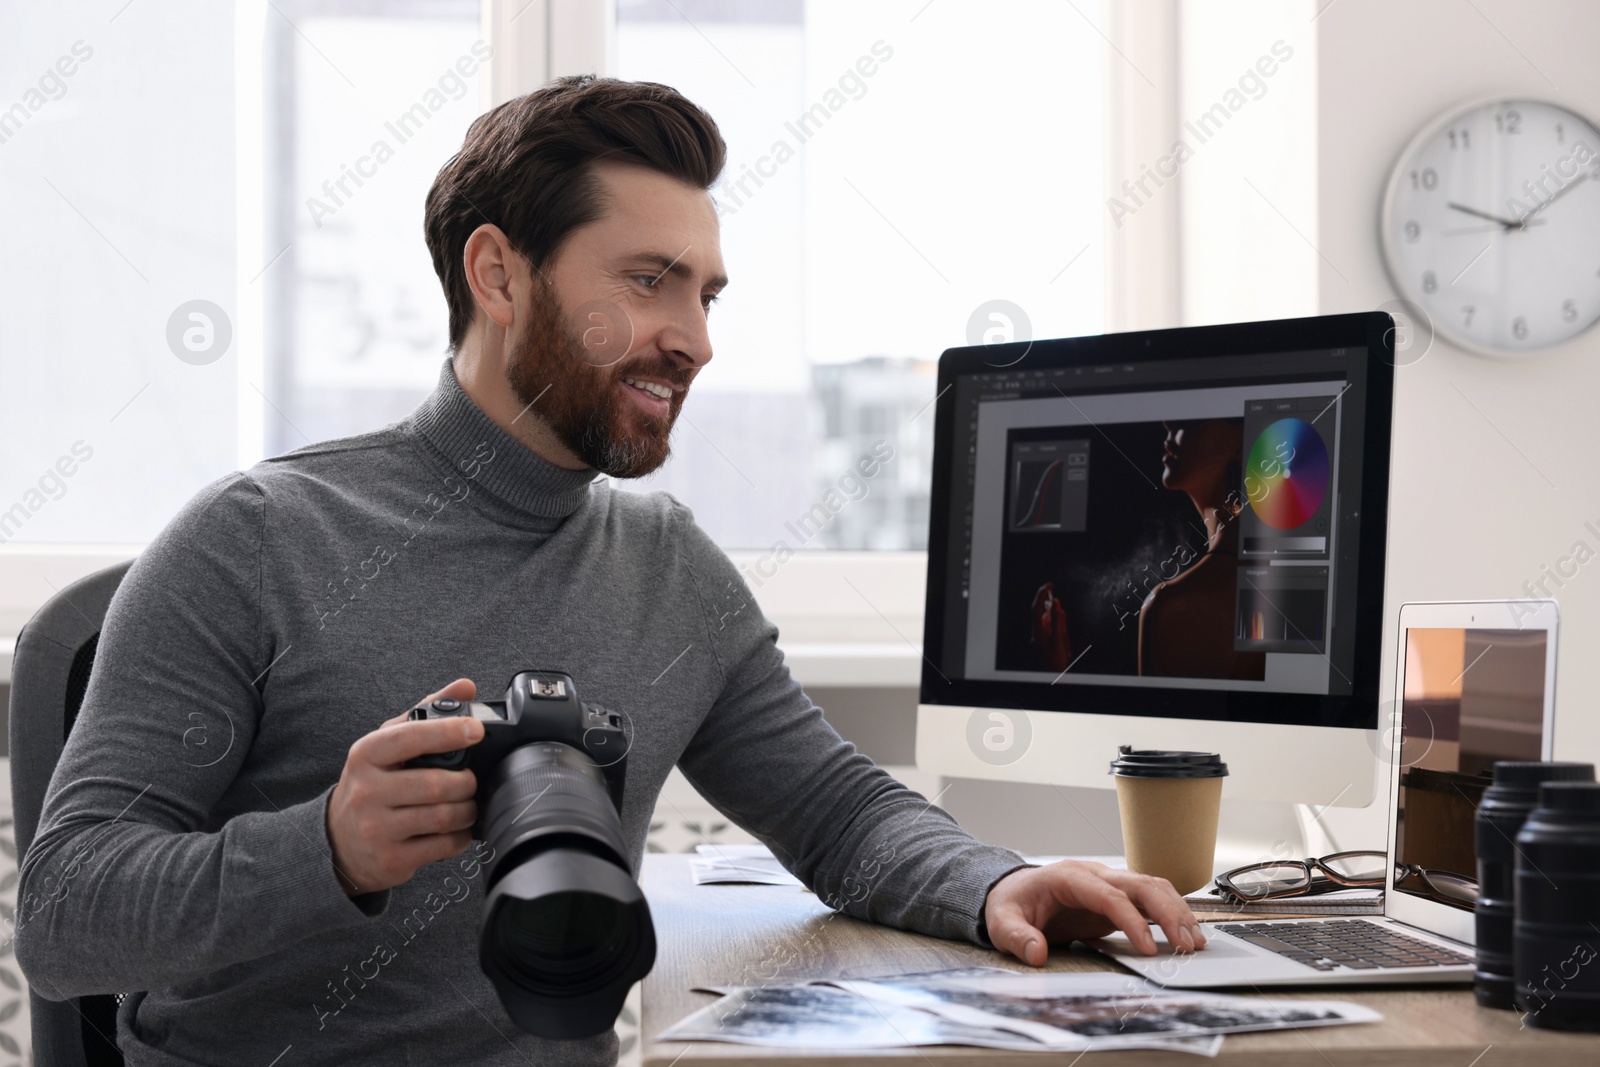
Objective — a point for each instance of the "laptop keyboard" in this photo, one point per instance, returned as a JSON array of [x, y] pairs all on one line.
[[1354, 943]]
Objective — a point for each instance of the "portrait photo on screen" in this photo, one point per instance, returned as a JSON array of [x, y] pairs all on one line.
[[1120, 553]]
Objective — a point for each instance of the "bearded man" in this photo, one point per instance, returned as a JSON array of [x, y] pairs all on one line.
[[298, 892]]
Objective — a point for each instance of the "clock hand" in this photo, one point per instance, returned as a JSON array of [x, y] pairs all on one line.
[[1486, 229], [1559, 194], [1509, 224]]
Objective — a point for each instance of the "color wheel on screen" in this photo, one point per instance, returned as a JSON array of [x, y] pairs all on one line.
[[1286, 475]]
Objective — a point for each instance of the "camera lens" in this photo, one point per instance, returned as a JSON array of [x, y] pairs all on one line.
[[1556, 977], [570, 930], [566, 931], [568, 938], [1501, 815]]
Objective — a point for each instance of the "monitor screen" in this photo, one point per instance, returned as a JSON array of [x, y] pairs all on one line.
[[1191, 528], [1471, 697]]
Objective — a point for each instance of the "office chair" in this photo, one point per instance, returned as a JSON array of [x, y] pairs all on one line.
[[49, 674]]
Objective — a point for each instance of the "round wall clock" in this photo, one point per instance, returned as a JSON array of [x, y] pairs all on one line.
[[1491, 224]]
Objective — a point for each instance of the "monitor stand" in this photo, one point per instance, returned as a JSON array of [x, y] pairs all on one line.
[[1256, 831]]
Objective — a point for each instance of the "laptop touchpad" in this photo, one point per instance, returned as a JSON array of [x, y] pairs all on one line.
[[1218, 947]]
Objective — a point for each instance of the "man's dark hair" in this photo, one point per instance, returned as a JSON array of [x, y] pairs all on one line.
[[526, 167]]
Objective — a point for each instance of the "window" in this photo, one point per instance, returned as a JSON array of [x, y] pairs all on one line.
[[131, 354], [246, 271], [365, 102], [893, 173], [119, 192]]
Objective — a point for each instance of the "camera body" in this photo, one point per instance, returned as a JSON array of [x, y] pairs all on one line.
[[565, 931], [539, 707]]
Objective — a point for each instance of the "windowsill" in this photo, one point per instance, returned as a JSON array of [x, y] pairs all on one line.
[[817, 665], [845, 619], [849, 666]]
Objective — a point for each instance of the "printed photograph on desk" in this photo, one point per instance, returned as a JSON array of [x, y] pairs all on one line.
[[1103, 1007], [724, 864], [819, 1016]]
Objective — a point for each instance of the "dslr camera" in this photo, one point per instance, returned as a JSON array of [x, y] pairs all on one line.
[[565, 930]]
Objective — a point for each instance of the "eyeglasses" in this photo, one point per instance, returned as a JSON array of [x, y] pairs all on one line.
[[1292, 878], [1446, 885], [1342, 870]]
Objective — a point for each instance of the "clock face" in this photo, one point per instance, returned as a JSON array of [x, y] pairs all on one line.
[[1492, 225]]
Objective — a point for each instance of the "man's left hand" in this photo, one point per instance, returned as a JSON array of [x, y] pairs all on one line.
[[1035, 907]]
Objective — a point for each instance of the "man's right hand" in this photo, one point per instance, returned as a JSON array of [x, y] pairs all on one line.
[[386, 820]]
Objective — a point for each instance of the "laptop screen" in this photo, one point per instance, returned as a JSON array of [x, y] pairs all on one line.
[[1471, 697]]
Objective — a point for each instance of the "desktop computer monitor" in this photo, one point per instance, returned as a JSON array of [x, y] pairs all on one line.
[[1170, 539]]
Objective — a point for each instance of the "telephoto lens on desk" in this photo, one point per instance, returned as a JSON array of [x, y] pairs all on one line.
[[1557, 929], [1501, 814], [566, 931]]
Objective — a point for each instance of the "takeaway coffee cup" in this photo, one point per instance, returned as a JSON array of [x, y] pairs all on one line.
[[1169, 803]]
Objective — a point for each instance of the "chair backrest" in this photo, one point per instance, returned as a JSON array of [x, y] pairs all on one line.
[[49, 674]]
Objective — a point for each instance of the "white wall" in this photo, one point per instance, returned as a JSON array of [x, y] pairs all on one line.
[[1471, 513]]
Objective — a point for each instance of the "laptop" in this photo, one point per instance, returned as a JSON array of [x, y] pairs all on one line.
[[1475, 683]]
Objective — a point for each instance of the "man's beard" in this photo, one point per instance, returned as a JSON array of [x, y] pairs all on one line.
[[571, 389]]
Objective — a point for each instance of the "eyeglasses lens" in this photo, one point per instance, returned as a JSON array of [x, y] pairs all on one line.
[[1265, 881], [1357, 867]]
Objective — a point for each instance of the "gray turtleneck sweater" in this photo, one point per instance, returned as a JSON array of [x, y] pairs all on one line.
[[183, 858]]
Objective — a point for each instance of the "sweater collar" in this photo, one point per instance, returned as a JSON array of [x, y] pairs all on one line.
[[468, 440]]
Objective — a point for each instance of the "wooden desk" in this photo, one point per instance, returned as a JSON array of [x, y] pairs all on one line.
[[755, 935]]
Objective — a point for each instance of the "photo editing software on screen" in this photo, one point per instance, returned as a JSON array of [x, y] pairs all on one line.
[[1167, 523]]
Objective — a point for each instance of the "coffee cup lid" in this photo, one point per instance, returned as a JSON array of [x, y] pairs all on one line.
[[1156, 763]]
